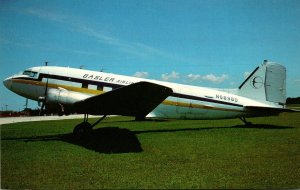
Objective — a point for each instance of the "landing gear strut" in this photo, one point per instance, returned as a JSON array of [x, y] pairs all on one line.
[[247, 123], [85, 127]]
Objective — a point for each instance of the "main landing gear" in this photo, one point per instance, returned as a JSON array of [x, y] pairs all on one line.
[[85, 127], [247, 123]]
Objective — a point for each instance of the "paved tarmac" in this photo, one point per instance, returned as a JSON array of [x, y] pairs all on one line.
[[7, 120]]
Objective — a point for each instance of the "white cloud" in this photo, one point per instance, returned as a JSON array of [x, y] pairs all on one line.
[[44, 14], [79, 25], [193, 77], [210, 77], [132, 48], [215, 79], [19, 43], [297, 82], [141, 74], [171, 76]]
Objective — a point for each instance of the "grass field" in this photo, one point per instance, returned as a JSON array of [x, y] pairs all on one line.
[[122, 153]]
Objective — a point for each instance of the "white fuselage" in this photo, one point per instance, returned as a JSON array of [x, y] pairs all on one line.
[[68, 85]]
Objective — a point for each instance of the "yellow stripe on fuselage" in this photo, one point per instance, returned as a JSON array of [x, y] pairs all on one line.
[[97, 92], [198, 106], [67, 87]]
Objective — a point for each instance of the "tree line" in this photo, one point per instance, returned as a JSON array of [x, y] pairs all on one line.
[[293, 100]]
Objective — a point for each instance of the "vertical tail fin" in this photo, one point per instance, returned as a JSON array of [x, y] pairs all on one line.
[[267, 83]]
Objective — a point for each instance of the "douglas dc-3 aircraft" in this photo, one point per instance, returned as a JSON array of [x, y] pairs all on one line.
[[69, 90]]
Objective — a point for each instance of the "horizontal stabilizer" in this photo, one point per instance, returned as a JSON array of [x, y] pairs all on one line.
[[137, 99], [257, 110]]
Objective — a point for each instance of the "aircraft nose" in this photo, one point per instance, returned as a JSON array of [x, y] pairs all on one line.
[[8, 82]]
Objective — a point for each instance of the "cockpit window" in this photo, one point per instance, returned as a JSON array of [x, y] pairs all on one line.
[[30, 73]]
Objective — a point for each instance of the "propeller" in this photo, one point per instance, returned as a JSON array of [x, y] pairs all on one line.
[[44, 98], [26, 103]]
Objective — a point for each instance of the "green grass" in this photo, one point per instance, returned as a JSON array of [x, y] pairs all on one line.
[[153, 154]]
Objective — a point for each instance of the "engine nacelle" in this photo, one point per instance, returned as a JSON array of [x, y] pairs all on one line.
[[64, 97]]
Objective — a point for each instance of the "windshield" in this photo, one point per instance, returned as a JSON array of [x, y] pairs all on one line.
[[30, 73]]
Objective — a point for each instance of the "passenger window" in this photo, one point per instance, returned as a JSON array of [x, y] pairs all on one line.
[[106, 89], [92, 87]]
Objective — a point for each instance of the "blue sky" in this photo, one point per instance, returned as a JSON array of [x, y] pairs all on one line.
[[210, 43]]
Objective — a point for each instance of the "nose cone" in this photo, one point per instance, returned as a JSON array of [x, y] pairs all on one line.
[[7, 83]]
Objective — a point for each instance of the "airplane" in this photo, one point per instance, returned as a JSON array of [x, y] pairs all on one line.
[[70, 90]]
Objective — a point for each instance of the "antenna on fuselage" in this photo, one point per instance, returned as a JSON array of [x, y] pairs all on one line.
[[46, 63]]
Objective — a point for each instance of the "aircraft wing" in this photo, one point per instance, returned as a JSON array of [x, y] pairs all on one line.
[[137, 99], [267, 110]]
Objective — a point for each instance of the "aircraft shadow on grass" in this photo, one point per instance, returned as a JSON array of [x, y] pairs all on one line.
[[119, 140], [103, 140], [253, 126], [108, 140]]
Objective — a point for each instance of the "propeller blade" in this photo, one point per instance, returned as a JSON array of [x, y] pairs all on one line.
[[45, 98]]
